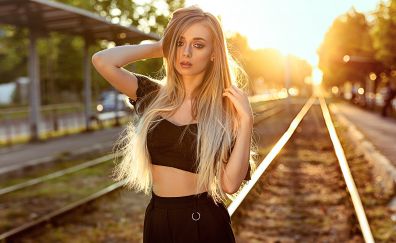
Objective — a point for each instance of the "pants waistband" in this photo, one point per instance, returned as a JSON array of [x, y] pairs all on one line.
[[180, 202]]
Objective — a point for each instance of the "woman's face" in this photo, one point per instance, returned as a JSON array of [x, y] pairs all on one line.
[[194, 50]]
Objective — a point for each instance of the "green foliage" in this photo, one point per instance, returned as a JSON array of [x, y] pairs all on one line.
[[13, 53], [383, 33], [61, 64], [348, 35], [351, 34]]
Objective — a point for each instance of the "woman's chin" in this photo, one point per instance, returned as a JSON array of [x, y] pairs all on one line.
[[186, 73]]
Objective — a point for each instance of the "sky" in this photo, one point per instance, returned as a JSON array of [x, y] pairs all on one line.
[[292, 26]]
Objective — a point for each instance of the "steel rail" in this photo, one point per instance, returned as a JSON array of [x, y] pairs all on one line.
[[353, 192]]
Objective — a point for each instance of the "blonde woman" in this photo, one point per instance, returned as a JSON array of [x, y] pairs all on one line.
[[191, 144]]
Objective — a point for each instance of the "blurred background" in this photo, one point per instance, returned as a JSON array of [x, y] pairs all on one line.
[[59, 118], [284, 46]]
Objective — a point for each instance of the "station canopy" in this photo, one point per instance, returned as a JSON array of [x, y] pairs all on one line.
[[45, 16], [42, 17]]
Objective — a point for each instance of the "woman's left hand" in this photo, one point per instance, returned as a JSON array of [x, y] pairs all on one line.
[[241, 103]]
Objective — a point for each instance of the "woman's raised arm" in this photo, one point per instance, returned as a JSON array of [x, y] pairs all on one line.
[[109, 63]]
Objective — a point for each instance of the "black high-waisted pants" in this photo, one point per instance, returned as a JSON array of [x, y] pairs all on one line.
[[186, 219]]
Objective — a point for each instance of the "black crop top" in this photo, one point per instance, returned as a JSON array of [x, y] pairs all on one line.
[[168, 144]]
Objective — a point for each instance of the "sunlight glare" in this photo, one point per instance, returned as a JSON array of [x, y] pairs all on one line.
[[295, 27], [317, 76]]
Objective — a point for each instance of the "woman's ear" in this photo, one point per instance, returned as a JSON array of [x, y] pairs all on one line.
[[212, 56]]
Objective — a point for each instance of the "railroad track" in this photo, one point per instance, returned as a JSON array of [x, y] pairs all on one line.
[[52, 214], [53, 175], [312, 205], [28, 204], [303, 190]]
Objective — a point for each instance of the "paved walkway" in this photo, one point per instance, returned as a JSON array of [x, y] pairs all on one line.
[[20, 156], [380, 131]]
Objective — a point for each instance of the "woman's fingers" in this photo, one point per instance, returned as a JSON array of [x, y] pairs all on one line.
[[230, 96], [235, 90], [240, 91], [232, 91]]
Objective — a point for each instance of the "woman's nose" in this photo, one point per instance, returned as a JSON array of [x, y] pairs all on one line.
[[187, 51]]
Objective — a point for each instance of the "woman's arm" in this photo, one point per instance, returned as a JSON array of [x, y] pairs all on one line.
[[109, 63], [238, 162]]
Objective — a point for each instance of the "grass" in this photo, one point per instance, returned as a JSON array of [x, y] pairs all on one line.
[[20, 206], [83, 181], [35, 172]]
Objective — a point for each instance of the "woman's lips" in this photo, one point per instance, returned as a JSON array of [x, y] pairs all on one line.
[[185, 64]]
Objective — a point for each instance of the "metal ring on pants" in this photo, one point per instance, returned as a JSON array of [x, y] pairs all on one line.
[[196, 212], [195, 219]]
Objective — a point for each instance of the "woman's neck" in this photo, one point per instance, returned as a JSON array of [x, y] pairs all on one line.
[[191, 83]]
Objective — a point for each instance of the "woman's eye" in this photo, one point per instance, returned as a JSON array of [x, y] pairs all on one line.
[[197, 45]]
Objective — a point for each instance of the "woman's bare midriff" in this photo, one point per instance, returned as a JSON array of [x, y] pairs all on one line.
[[172, 182]]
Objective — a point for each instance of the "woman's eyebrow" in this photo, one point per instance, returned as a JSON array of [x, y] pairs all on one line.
[[195, 38]]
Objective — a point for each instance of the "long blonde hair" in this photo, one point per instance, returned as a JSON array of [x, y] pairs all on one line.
[[216, 116]]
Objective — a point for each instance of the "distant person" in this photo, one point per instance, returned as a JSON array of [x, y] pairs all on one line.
[[192, 142], [354, 94], [390, 93]]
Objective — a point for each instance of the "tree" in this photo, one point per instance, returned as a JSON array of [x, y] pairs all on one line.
[[266, 67], [348, 35], [383, 33], [61, 55]]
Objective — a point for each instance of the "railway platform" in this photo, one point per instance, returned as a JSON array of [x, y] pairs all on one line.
[[375, 136], [379, 131], [25, 155]]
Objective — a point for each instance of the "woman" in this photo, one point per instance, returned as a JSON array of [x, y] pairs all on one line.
[[191, 144]]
